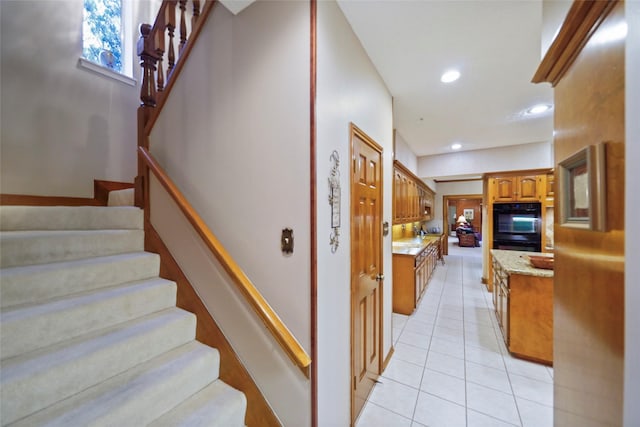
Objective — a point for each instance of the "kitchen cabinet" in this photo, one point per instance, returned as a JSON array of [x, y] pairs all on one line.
[[516, 189], [523, 303], [412, 270], [551, 183], [413, 200]]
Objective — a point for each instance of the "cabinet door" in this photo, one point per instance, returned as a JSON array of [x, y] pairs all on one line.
[[551, 185], [404, 199], [504, 312], [504, 189], [397, 196], [527, 188], [496, 281]]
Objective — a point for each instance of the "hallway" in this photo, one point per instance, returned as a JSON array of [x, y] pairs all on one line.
[[450, 366]]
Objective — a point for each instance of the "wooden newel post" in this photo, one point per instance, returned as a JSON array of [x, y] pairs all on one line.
[[148, 60]]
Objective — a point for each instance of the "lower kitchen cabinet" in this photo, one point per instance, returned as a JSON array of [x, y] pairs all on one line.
[[411, 275], [523, 302]]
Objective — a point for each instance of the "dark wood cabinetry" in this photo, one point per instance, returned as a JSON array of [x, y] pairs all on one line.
[[516, 188], [411, 275], [523, 302], [413, 200]]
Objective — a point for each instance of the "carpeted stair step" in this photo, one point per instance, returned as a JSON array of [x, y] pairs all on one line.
[[138, 396], [13, 218], [27, 328], [36, 380], [41, 282], [38, 247], [217, 405], [123, 197]]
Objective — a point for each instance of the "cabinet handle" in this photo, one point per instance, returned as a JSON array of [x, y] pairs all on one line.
[[380, 277]]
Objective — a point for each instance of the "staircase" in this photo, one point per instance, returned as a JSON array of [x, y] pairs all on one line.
[[90, 335]]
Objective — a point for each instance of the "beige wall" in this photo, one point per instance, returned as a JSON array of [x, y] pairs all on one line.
[[404, 155], [62, 126], [537, 155], [349, 90], [235, 137]]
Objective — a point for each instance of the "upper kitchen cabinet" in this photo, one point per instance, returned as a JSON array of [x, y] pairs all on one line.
[[526, 188], [413, 200]]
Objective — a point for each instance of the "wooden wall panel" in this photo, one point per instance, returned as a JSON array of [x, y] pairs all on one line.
[[589, 267]]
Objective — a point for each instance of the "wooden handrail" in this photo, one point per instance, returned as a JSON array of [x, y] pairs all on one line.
[[261, 307]]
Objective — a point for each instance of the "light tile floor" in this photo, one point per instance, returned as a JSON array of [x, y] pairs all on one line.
[[451, 367]]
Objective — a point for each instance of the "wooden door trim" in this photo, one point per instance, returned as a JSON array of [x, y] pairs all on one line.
[[445, 213], [313, 13], [355, 131]]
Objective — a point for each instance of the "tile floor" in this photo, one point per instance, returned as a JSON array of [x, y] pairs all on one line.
[[451, 367]]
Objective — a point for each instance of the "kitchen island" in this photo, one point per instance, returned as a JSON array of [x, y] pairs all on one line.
[[523, 301]]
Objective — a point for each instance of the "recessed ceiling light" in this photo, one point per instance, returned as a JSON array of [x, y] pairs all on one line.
[[456, 146], [539, 109], [450, 76]]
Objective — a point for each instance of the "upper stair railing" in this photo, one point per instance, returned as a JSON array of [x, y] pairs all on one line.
[[161, 64]]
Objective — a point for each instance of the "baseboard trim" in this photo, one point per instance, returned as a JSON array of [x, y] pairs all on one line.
[[29, 200], [102, 188], [388, 358], [101, 191], [232, 371]]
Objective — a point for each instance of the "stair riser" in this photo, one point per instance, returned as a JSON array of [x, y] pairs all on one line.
[[57, 375], [30, 328], [31, 284], [138, 396], [69, 218], [217, 405], [28, 248]]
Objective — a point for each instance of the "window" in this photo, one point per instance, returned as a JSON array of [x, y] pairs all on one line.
[[102, 33], [107, 46]]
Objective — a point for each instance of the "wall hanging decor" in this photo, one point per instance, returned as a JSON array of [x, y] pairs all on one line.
[[334, 200], [582, 190]]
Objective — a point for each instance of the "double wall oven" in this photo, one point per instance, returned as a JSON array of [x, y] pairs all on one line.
[[517, 226]]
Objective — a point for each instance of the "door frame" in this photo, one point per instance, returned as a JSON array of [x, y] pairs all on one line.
[[445, 213], [355, 131]]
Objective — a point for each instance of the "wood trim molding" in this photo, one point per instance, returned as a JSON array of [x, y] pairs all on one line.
[[387, 359], [28, 200], [313, 191], [542, 171], [581, 22], [441, 181], [232, 371], [254, 298], [101, 191]]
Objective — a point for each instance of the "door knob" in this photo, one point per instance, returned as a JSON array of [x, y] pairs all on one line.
[[380, 277]]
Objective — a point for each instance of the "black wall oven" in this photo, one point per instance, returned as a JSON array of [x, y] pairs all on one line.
[[517, 226]]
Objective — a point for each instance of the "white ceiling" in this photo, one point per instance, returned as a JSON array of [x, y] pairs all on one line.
[[496, 47]]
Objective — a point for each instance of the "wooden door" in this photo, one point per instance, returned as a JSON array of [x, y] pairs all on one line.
[[366, 266]]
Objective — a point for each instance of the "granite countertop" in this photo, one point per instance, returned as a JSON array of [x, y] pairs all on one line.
[[414, 245], [516, 262]]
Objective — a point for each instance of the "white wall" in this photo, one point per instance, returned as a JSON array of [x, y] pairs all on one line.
[[404, 154], [239, 150], [451, 188], [632, 206], [349, 90], [516, 157], [62, 126]]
